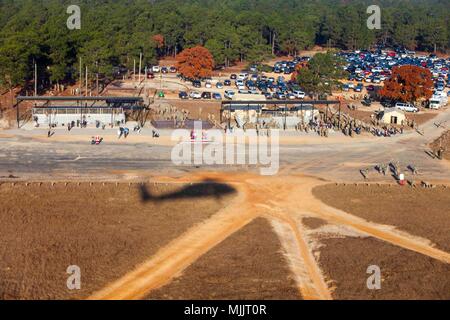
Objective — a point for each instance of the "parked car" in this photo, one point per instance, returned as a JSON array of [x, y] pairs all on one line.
[[219, 85], [299, 94], [156, 69], [408, 107], [242, 76], [197, 84], [233, 76], [227, 83], [208, 84], [195, 95], [206, 95], [217, 96], [359, 87], [173, 70], [279, 96], [164, 70], [229, 94], [183, 95]]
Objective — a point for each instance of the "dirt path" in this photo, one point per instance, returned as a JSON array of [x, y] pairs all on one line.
[[284, 198], [301, 262], [382, 232], [180, 253]]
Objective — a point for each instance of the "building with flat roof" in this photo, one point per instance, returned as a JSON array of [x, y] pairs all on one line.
[[393, 116]]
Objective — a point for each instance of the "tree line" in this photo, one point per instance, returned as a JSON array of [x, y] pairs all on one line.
[[114, 33]]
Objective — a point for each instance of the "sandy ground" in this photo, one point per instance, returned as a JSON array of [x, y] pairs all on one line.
[[105, 230], [245, 266], [289, 137]]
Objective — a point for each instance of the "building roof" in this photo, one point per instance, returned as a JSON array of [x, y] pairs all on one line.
[[108, 99]]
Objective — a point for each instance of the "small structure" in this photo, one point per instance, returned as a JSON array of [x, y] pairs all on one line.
[[284, 114], [392, 116], [89, 110]]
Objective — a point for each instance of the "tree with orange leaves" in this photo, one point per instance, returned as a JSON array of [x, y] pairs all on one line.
[[195, 63], [408, 84], [298, 67]]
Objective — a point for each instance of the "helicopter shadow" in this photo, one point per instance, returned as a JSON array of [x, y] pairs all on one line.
[[204, 189]]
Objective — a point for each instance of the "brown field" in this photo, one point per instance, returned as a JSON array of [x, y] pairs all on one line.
[[421, 212], [249, 265], [105, 230], [405, 274]]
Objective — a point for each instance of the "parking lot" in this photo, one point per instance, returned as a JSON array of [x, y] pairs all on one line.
[[367, 72]]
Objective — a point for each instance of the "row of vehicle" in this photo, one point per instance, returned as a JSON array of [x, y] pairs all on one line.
[[288, 67], [163, 69], [436, 102], [197, 95], [230, 94]]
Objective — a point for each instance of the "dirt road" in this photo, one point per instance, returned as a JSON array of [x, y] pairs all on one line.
[[289, 201]]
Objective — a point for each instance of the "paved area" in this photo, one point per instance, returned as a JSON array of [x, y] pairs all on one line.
[[26, 153]]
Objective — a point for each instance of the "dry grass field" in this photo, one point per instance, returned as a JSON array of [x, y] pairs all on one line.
[[105, 230]]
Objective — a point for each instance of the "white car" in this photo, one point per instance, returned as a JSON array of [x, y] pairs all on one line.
[[408, 107], [299, 94], [229, 94], [376, 69], [208, 85], [156, 69], [195, 95], [242, 76]]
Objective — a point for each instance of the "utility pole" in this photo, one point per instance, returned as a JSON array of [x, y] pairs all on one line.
[[35, 79], [140, 66], [98, 91], [81, 77], [86, 80], [134, 70]]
